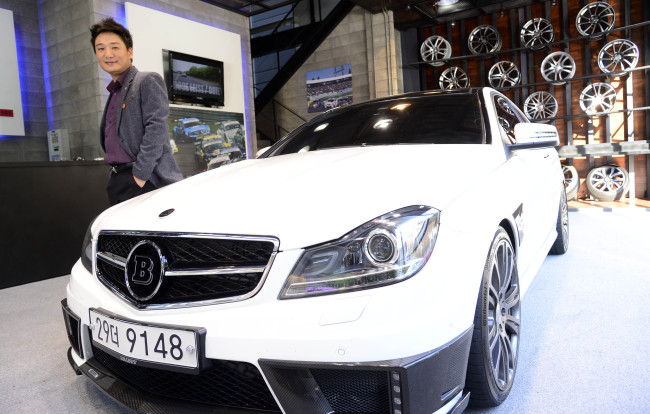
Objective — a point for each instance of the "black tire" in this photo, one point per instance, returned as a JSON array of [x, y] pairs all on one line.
[[561, 244], [494, 351], [608, 182], [571, 181]]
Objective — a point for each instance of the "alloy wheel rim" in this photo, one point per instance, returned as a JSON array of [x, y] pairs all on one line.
[[608, 179], [503, 316], [565, 220], [617, 56], [595, 18]]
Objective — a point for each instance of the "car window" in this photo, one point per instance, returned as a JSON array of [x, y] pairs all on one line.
[[508, 117], [432, 119]]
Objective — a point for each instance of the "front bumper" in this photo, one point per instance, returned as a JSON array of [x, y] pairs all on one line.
[[431, 382]]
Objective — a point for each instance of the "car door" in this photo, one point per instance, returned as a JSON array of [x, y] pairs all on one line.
[[529, 169]]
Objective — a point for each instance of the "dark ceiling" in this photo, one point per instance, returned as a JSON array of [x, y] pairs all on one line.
[[406, 13]]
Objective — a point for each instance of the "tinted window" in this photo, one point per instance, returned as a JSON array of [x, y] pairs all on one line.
[[434, 119]]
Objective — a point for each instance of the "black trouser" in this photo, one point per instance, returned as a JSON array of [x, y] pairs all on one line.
[[121, 185]]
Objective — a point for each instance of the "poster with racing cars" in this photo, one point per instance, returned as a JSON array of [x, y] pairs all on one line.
[[329, 88], [205, 139]]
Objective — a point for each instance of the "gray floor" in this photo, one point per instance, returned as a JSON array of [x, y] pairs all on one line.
[[585, 344]]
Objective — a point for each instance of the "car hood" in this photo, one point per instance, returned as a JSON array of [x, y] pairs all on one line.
[[307, 198]]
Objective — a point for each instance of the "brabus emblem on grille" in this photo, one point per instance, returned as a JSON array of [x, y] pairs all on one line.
[[142, 273], [145, 270]]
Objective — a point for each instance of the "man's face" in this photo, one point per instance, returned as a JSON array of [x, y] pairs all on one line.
[[112, 54]]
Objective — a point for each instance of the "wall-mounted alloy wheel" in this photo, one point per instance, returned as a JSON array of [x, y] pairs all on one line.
[[561, 244], [540, 105], [434, 50], [537, 33], [608, 182], [617, 56], [558, 67], [495, 342], [484, 39], [594, 19], [453, 78], [571, 181], [598, 97], [504, 74]]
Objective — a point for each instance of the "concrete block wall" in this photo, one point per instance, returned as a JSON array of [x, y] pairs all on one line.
[[369, 43], [32, 146], [69, 83]]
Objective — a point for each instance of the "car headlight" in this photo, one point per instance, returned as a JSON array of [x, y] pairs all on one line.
[[87, 249], [386, 250]]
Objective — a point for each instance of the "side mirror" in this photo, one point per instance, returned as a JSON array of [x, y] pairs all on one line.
[[531, 135]]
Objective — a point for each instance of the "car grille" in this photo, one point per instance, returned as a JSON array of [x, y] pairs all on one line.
[[358, 392], [215, 269], [225, 384]]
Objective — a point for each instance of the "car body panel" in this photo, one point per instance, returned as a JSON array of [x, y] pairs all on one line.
[[308, 199]]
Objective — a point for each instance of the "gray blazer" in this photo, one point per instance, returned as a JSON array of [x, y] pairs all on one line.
[[142, 128]]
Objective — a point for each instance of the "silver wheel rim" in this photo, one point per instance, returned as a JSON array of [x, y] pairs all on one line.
[[454, 78], [594, 19], [434, 49], [608, 178], [504, 74], [568, 176], [537, 33], [484, 39], [618, 55], [565, 220], [598, 97], [503, 316], [540, 105], [557, 67]]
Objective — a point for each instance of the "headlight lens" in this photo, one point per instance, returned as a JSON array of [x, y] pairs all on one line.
[[386, 250], [87, 249]]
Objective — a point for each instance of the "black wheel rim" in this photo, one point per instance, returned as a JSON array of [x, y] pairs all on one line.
[[504, 316]]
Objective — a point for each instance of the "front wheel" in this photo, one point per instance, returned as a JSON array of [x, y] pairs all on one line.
[[495, 342]]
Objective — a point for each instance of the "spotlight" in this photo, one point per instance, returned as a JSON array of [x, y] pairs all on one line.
[[446, 2], [554, 3], [453, 24]]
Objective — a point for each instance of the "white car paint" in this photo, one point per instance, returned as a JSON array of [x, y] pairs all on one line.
[[309, 198]]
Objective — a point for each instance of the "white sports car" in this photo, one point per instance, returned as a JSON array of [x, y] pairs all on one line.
[[374, 264]]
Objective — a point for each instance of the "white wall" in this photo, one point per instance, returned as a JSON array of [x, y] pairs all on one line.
[[10, 83], [154, 31]]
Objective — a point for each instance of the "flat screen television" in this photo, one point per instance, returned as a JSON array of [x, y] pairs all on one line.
[[193, 79]]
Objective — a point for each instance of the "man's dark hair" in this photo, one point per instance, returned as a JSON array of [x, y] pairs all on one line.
[[110, 25]]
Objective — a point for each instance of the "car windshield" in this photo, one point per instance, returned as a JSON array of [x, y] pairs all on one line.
[[232, 126], [431, 119], [190, 124]]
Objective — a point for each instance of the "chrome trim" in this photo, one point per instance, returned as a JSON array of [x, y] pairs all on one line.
[[225, 270], [113, 259], [133, 304]]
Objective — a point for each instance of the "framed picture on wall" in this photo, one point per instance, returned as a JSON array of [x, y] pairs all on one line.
[[329, 88], [204, 140]]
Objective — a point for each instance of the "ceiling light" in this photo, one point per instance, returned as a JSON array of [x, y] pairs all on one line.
[[446, 2]]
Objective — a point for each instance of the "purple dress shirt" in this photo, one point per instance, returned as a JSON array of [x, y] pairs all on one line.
[[114, 152]]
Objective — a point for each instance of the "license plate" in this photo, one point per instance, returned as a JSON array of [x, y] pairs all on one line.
[[142, 344]]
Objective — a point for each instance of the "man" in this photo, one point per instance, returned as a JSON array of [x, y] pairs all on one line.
[[134, 125]]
